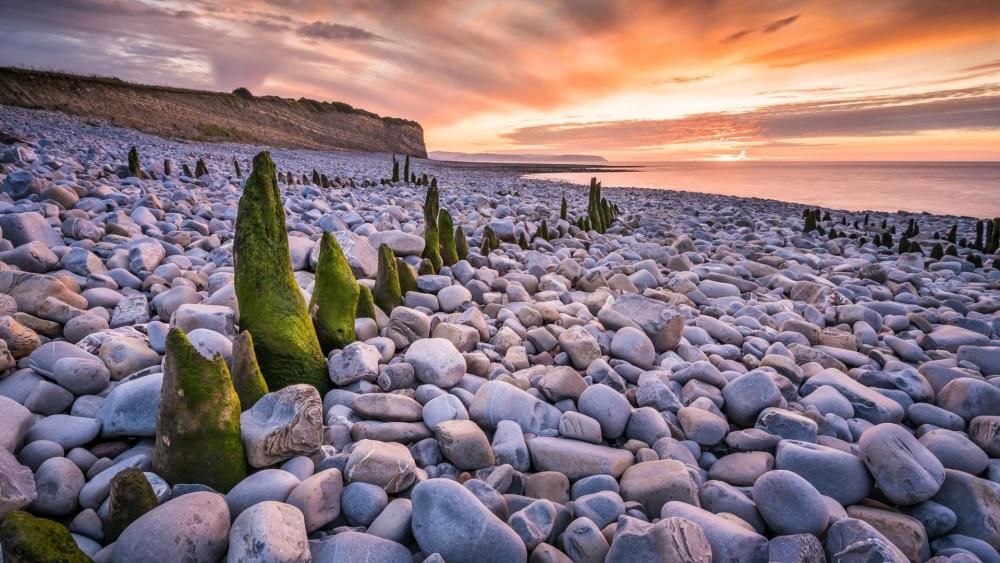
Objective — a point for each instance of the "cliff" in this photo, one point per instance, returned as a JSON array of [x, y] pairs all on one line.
[[213, 116]]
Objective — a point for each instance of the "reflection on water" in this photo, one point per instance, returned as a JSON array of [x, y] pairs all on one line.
[[950, 188]]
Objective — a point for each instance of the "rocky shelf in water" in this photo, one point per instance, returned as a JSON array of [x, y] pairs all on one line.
[[704, 380]]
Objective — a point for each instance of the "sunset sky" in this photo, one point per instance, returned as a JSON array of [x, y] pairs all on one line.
[[628, 80]]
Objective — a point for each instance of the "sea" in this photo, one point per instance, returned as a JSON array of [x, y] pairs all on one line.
[[970, 189]]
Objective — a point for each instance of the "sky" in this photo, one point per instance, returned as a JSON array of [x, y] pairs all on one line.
[[627, 80]]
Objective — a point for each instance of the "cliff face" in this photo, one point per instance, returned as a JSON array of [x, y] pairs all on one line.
[[213, 116]]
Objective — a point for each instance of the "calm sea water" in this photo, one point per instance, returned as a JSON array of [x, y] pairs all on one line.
[[950, 188]]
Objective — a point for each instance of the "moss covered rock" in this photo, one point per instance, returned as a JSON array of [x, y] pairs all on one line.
[[166, 167], [271, 305], [366, 303], [186, 170], [27, 539], [446, 232], [461, 243], [335, 297], [131, 496], [425, 268], [387, 293], [198, 422], [200, 169], [133, 163], [407, 277], [247, 378], [432, 241]]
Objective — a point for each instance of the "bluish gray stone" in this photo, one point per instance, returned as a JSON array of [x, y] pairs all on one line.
[[449, 520]]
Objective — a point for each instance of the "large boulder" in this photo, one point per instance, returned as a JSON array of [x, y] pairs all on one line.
[[450, 521], [282, 425], [191, 527]]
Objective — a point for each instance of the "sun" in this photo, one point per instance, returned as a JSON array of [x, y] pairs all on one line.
[[731, 157]]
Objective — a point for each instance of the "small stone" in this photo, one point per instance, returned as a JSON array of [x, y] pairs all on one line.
[[385, 464], [654, 483], [790, 504], [576, 459], [361, 503], [268, 484], [269, 531], [58, 482], [357, 361], [580, 346], [464, 444], [436, 361]]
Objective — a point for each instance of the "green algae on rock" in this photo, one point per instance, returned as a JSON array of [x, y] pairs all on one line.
[[366, 303], [247, 378], [27, 539], [335, 296], [198, 422], [461, 243], [271, 305], [407, 277], [131, 496], [446, 232], [236, 165], [432, 242], [200, 169], [387, 293], [133, 164]]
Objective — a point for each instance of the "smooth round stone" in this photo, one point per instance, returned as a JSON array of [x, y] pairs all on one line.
[[956, 451], [937, 519], [193, 527], [318, 497], [268, 531], [905, 471], [66, 430], [633, 346], [749, 394], [834, 473], [441, 408], [361, 503], [608, 407], [269, 484], [741, 469], [969, 398], [210, 343], [789, 504], [81, 326], [702, 426], [58, 482], [34, 454], [131, 407], [436, 361], [452, 297], [448, 520], [357, 546], [47, 398], [387, 406], [300, 466]]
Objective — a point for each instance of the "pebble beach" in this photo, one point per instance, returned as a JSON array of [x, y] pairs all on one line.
[[706, 380]]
